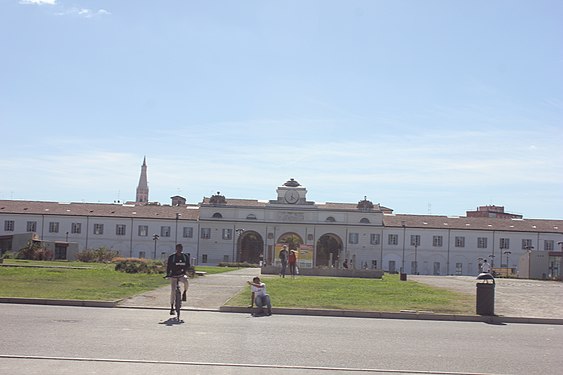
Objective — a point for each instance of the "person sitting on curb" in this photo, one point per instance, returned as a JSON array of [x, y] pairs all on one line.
[[259, 296]]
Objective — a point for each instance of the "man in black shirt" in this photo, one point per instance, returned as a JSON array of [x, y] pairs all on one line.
[[176, 269]]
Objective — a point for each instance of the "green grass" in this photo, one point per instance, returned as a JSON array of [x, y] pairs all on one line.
[[98, 282], [388, 294]]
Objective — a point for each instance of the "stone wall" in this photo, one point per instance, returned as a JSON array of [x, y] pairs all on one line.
[[331, 272]]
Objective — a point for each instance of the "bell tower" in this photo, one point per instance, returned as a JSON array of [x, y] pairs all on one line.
[[143, 187]]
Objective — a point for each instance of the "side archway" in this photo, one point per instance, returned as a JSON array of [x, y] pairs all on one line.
[[250, 245], [328, 244]]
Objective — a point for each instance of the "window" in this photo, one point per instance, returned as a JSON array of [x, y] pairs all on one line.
[[415, 239], [526, 244], [120, 229], [330, 219], [437, 241], [548, 245], [459, 269], [353, 238], [482, 242], [32, 226], [505, 243], [142, 254], [217, 215], [206, 234], [9, 225], [459, 241], [374, 239], [98, 228], [251, 217], [143, 230], [310, 237], [393, 239], [76, 228], [204, 258], [165, 231], [374, 264], [364, 220], [227, 234], [53, 227], [225, 258], [188, 232]]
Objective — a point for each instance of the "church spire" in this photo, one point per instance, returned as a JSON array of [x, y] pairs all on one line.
[[143, 187]]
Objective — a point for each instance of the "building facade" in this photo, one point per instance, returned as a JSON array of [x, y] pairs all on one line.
[[221, 229]]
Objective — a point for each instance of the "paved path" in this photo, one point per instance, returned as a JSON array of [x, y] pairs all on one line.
[[207, 292], [513, 297]]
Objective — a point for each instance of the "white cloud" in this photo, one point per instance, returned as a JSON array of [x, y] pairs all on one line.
[[38, 2], [84, 12]]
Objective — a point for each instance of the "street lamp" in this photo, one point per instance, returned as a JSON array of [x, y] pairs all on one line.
[[155, 238], [529, 250], [507, 253], [403, 257], [238, 233], [415, 259], [492, 256]]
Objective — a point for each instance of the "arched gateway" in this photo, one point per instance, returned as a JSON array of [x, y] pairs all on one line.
[[326, 245], [250, 245]]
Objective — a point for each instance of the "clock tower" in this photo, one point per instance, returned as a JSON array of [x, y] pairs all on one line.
[[291, 193]]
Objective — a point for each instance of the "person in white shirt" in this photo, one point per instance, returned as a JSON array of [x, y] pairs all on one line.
[[485, 267], [259, 296]]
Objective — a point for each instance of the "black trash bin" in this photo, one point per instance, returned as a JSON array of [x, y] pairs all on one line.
[[485, 294], [403, 276]]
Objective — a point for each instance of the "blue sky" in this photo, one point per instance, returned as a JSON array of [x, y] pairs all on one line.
[[423, 106]]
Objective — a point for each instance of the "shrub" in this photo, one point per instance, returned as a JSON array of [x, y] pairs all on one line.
[[238, 264], [99, 255], [137, 265], [34, 251]]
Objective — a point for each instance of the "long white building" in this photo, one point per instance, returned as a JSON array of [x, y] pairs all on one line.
[[221, 229]]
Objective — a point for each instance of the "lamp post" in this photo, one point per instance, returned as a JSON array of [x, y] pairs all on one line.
[[507, 253], [415, 259], [529, 250], [238, 233], [155, 238], [403, 257]]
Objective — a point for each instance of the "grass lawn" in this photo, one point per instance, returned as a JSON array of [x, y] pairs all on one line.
[[95, 281], [388, 294]]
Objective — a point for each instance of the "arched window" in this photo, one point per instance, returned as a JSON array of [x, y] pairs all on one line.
[[330, 219], [217, 215], [251, 217], [364, 220]]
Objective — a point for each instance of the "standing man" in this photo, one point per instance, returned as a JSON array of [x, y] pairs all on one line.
[[176, 269], [283, 259]]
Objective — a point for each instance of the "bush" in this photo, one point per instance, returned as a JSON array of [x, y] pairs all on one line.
[[99, 255], [137, 265], [34, 251], [238, 264]]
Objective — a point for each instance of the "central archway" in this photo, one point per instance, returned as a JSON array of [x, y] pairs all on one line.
[[250, 246], [328, 244]]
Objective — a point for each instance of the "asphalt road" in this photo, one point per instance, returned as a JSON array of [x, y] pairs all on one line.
[[68, 340]]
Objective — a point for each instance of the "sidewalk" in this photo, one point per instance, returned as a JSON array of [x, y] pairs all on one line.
[[516, 300], [208, 292]]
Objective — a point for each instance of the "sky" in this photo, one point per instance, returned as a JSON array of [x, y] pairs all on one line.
[[426, 107]]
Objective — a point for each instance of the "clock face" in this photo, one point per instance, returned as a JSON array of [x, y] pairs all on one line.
[[291, 196]]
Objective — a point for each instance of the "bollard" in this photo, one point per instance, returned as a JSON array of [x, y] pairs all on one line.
[[485, 300]]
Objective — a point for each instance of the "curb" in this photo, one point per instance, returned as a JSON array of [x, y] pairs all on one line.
[[60, 302], [408, 315], [495, 319]]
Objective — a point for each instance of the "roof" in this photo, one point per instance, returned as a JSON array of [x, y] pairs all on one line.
[[474, 223], [151, 211], [191, 212]]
